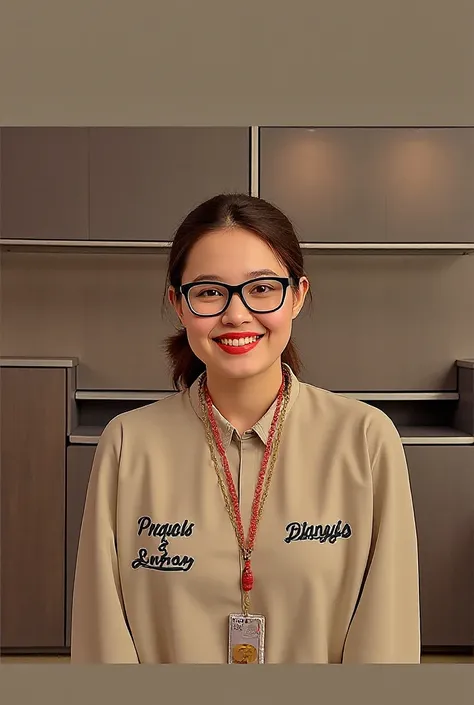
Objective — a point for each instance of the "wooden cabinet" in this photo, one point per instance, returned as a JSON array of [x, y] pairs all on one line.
[[45, 183], [79, 465], [143, 181], [371, 184], [33, 440], [442, 479]]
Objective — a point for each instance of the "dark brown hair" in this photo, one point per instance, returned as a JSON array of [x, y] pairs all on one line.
[[227, 211]]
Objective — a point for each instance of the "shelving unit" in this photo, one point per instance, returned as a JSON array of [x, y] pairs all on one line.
[[423, 435], [160, 247], [72, 198], [101, 144], [422, 418]]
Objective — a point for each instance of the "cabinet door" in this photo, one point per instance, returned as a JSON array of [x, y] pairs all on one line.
[[372, 184], [45, 183], [328, 181], [79, 465], [33, 434], [145, 180], [430, 184], [442, 479]]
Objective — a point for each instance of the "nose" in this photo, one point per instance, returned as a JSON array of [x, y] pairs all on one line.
[[237, 313]]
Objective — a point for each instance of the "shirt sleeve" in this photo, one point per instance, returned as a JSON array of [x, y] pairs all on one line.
[[99, 631], [385, 627]]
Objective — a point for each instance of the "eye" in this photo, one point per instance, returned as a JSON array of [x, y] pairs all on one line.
[[261, 289], [208, 293]]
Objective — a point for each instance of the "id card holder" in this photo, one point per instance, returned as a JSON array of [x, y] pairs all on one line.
[[246, 639]]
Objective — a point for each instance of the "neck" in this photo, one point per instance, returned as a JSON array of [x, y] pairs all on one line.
[[243, 402]]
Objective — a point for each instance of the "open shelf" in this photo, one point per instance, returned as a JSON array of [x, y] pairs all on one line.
[[422, 418], [157, 247], [410, 435], [434, 435], [121, 395], [401, 396], [154, 395], [86, 435]]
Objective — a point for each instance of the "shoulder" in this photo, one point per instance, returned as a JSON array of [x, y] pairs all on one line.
[[336, 411], [158, 419], [337, 405]]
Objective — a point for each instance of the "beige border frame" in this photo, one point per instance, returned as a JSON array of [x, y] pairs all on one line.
[[184, 63]]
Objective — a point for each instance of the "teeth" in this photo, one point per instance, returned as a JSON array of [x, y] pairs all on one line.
[[238, 342]]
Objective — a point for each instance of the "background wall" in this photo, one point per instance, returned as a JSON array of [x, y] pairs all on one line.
[[390, 322], [370, 62]]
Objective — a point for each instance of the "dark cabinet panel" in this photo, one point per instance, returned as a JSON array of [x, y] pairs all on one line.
[[372, 184], [45, 183], [442, 479], [145, 180], [33, 438], [79, 465]]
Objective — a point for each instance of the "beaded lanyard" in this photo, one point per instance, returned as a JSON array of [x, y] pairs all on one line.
[[229, 493]]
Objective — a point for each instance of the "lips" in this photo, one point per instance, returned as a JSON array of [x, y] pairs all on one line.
[[238, 343]]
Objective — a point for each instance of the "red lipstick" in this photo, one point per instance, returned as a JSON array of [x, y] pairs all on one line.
[[225, 342]]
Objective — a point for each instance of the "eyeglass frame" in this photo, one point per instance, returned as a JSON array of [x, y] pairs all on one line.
[[238, 289]]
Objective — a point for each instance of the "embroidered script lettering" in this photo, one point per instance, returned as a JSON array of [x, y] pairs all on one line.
[[164, 561], [171, 530], [297, 531]]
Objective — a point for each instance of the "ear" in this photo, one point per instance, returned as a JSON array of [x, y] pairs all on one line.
[[176, 302], [299, 296]]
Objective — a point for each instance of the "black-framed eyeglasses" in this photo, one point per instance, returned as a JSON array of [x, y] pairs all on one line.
[[260, 295]]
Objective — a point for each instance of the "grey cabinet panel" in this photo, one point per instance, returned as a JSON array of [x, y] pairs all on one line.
[[145, 180], [45, 183], [327, 181], [33, 440], [372, 184], [386, 323], [442, 480], [79, 465], [429, 184]]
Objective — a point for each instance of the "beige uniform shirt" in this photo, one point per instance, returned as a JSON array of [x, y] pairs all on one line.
[[335, 559]]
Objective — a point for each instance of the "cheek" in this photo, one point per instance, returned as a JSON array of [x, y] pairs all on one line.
[[278, 323], [198, 329]]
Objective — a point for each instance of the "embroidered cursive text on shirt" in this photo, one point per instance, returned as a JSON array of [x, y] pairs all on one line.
[[303, 531], [163, 562], [168, 529]]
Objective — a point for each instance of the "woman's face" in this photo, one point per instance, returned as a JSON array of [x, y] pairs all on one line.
[[233, 256]]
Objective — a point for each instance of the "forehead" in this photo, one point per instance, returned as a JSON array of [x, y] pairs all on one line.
[[231, 255]]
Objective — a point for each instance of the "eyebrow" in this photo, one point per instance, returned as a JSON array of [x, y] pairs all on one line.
[[248, 275]]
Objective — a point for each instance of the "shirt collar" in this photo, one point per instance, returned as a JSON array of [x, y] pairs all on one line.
[[261, 428]]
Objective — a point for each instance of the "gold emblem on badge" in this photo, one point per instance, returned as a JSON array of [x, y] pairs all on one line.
[[244, 653]]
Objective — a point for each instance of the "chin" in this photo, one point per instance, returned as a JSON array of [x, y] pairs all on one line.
[[238, 367]]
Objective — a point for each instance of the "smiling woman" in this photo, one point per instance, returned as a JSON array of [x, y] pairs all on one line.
[[296, 501], [257, 288], [256, 261]]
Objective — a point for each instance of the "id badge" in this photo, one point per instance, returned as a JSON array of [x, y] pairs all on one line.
[[246, 639]]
